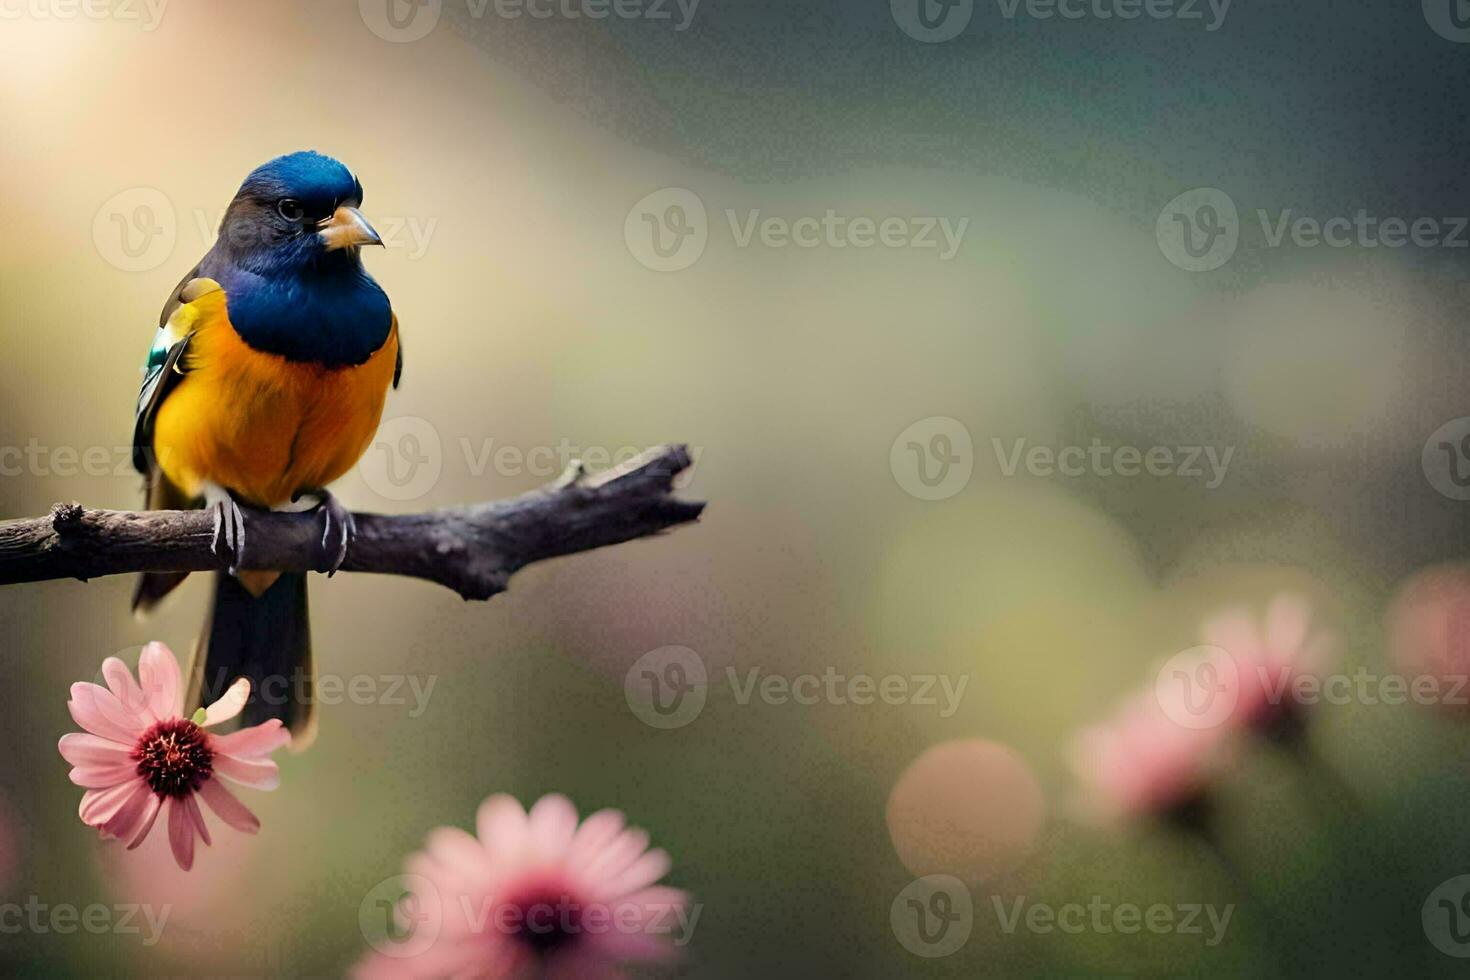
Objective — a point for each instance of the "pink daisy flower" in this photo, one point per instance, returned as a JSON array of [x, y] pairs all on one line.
[[1142, 762], [534, 895], [1270, 656], [140, 754]]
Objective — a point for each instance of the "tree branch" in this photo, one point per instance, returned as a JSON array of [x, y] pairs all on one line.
[[471, 549]]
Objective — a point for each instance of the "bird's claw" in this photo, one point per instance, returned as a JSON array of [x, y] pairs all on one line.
[[336, 518], [228, 543]]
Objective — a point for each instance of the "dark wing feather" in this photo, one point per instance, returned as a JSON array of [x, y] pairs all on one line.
[[398, 364], [160, 374], [160, 379]]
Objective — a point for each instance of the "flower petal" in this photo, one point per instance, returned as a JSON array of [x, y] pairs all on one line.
[[594, 834], [154, 807], [253, 742], [197, 818], [553, 822], [229, 809], [159, 672], [101, 805], [651, 921], [501, 824], [257, 774], [92, 750], [618, 856], [1235, 631], [181, 832], [125, 823], [643, 872], [99, 712], [120, 682], [1287, 619], [230, 705], [454, 847], [103, 776]]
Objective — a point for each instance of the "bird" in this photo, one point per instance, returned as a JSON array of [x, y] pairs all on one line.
[[265, 382]]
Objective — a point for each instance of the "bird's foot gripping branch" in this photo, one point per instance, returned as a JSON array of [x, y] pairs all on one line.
[[472, 549]]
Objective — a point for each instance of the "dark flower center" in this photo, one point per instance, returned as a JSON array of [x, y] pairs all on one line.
[[548, 922], [174, 757]]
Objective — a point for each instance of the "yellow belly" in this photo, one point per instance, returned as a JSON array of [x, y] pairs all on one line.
[[260, 425]]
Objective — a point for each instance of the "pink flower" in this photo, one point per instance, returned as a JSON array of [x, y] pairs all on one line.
[[139, 754], [1143, 762], [533, 895], [1429, 634], [1270, 658]]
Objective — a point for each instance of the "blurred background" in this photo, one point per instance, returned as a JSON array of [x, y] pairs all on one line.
[[865, 258]]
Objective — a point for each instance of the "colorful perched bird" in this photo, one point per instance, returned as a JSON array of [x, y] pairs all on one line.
[[265, 382]]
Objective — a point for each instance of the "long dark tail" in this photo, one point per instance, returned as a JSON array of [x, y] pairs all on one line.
[[266, 639]]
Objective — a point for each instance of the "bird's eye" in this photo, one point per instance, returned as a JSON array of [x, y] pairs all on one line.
[[291, 209]]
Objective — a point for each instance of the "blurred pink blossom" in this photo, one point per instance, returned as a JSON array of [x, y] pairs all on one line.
[[1142, 762], [1429, 630], [534, 895], [140, 754], [1271, 656]]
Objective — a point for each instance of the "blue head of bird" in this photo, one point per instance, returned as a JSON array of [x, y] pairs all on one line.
[[289, 258]]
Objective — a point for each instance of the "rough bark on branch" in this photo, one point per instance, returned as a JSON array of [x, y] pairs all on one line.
[[472, 549]]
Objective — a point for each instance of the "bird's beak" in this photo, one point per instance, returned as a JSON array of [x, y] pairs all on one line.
[[347, 228]]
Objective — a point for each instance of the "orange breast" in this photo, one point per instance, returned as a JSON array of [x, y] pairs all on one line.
[[260, 425]]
